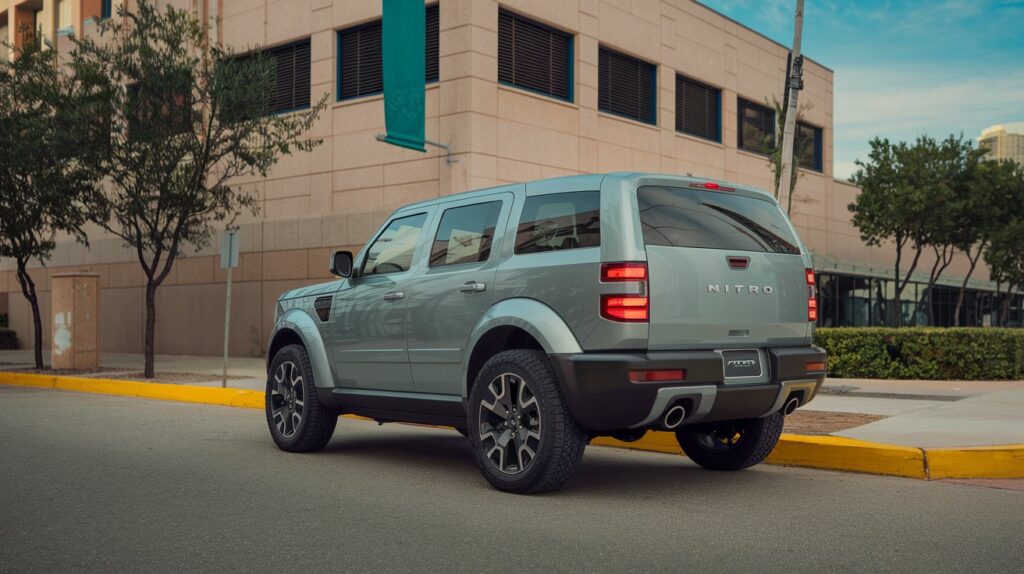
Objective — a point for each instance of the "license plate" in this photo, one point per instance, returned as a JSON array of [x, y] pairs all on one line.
[[742, 363]]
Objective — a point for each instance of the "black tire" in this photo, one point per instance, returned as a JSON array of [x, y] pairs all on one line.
[[555, 439], [731, 445], [316, 422]]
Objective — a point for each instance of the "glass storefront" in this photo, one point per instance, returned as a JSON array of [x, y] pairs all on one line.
[[857, 301]]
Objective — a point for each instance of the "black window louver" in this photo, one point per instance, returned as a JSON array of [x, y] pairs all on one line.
[[292, 77], [360, 55], [626, 86], [698, 109], [756, 131], [534, 56]]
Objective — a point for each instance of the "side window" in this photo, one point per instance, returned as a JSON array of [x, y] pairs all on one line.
[[392, 251], [560, 221], [465, 234]]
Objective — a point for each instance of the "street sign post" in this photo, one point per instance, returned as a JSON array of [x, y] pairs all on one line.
[[228, 260]]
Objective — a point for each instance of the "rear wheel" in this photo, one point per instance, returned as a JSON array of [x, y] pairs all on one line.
[[731, 445], [522, 435], [298, 421]]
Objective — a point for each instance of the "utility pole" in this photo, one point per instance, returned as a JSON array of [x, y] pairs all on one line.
[[796, 83]]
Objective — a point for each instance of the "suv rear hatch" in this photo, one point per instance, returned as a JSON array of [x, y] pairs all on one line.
[[725, 269]]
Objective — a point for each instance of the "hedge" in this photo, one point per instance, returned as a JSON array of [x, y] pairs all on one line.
[[924, 353], [8, 339]]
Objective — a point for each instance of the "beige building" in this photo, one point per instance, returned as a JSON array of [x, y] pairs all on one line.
[[649, 85], [1004, 141]]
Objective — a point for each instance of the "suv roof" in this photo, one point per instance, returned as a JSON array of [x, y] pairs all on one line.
[[595, 180]]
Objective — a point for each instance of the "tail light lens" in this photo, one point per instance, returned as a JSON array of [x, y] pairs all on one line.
[[612, 272], [812, 296], [628, 308], [625, 308]]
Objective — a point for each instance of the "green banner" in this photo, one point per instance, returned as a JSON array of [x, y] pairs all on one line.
[[404, 58]]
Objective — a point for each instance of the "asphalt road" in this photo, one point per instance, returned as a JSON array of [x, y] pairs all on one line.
[[94, 483]]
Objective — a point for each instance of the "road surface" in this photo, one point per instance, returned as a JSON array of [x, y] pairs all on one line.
[[95, 483]]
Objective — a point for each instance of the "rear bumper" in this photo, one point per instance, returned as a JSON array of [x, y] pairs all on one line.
[[602, 398]]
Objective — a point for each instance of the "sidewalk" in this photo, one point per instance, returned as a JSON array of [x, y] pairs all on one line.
[[919, 414]]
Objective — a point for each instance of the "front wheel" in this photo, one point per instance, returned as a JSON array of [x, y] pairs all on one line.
[[731, 445], [298, 421], [522, 435]]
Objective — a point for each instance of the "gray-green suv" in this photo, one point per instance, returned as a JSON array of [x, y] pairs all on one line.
[[532, 317]]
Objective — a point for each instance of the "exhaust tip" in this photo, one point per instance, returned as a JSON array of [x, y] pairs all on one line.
[[673, 417], [791, 406]]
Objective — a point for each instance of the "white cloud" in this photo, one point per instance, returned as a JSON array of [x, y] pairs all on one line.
[[901, 102]]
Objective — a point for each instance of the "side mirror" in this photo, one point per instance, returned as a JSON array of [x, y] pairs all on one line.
[[341, 263]]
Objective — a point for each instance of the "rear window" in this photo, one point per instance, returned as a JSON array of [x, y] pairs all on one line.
[[560, 221], [683, 217]]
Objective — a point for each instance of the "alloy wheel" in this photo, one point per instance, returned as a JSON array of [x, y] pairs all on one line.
[[287, 398], [510, 424]]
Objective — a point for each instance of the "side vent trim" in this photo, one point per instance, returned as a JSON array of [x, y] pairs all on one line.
[[322, 306]]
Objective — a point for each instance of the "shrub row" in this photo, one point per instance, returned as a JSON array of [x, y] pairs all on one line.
[[924, 353], [8, 339]]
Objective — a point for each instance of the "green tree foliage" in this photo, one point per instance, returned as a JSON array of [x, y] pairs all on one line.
[[187, 119], [775, 148], [893, 206], [994, 197], [47, 174], [1005, 251], [952, 167]]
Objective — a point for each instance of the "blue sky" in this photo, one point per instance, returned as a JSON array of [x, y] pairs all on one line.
[[905, 67]]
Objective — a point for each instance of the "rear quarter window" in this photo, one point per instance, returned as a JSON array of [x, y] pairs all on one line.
[[559, 221], [684, 217]]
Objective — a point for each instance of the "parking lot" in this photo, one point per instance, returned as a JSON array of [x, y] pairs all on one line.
[[110, 483]]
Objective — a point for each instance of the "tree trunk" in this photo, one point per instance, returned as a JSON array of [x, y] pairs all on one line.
[[150, 328], [943, 258], [963, 286], [1004, 316], [28, 289]]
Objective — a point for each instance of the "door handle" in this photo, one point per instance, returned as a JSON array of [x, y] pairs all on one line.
[[394, 295], [472, 287]]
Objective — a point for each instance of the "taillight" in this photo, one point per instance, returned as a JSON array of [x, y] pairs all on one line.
[[626, 308], [812, 296], [611, 272]]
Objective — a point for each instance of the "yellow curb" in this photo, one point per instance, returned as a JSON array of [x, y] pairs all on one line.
[[837, 453], [161, 391], [976, 462], [824, 452]]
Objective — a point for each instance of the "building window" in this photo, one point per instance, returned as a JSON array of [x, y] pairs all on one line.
[[360, 57], [809, 146], [465, 234], [433, 33], [534, 56], [756, 127], [559, 221], [698, 109], [106, 9], [626, 86], [292, 77]]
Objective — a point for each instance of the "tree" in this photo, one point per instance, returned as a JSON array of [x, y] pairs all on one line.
[[1005, 259], [46, 173], [995, 194], [188, 118], [893, 206], [951, 166], [775, 157]]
